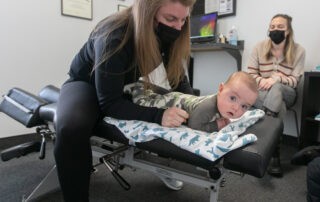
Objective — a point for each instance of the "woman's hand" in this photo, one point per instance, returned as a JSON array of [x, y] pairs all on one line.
[[174, 117], [279, 74], [265, 84], [222, 123]]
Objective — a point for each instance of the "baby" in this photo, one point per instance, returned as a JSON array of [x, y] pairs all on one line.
[[207, 113]]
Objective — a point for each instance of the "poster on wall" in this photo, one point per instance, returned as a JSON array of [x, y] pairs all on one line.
[[223, 7], [122, 7], [77, 8]]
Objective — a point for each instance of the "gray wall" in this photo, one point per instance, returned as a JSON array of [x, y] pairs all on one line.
[[37, 43]]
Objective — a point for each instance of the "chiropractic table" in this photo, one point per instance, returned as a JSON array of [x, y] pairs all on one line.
[[159, 157]]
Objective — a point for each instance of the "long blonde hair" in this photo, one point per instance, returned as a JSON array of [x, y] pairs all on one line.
[[139, 19], [289, 45]]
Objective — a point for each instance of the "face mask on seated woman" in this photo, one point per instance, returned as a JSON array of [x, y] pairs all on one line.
[[277, 36]]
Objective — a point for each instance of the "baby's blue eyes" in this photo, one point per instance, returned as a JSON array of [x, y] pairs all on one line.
[[234, 99]]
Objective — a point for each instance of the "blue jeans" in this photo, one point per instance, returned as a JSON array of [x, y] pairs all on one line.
[[277, 99]]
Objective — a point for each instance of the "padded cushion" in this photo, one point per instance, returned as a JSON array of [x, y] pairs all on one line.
[[22, 106], [50, 93], [255, 158], [252, 159]]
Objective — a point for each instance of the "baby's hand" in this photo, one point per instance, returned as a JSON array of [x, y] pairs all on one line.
[[222, 122]]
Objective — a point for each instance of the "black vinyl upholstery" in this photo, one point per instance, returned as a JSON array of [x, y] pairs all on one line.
[[252, 159]]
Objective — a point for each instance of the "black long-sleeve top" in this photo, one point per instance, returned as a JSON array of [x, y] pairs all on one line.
[[112, 75]]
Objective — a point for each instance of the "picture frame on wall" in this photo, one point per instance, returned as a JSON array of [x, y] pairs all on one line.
[[223, 7], [122, 7], [77, 8]]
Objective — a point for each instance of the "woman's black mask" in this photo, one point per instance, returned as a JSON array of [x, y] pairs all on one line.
[[166, 34], [277, 36]]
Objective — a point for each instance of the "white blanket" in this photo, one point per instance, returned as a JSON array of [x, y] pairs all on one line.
[[211, 146]]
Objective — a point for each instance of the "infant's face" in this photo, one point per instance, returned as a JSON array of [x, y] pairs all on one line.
[[235, 99]]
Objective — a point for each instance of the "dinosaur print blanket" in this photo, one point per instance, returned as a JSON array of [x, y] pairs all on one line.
[[211, 146]]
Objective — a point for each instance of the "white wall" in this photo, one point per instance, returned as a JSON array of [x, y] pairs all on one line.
[[37, 45], [252, 20]]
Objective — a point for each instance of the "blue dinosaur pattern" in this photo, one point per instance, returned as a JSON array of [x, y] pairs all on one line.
[[194, 140], [208, 141], [208, 145], [137, 126], [135, 137], [225, 137], [184, 136], [145, 128], [157, 129], [215, 156], [241, 125], [232, 127], [122, 124], [163, 134]]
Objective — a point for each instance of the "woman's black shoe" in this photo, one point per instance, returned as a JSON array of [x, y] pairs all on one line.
[[275, 167], [304, 156], [271, 113]]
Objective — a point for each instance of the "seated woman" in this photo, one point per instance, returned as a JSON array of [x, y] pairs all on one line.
[[277, 65]]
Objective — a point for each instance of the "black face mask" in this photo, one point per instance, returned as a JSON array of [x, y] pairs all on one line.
[[277, 36], [166, 34]]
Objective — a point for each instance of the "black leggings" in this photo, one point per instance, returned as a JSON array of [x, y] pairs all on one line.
[[77, 114]]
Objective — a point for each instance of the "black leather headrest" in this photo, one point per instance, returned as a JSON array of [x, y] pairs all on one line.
[[50, 93]]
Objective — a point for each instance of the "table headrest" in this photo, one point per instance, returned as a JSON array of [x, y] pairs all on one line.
[[50, 93]]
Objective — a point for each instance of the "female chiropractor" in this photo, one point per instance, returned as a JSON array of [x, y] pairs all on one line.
[[149, 35], [277, 65]]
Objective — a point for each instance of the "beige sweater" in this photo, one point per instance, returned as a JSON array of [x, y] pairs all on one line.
[[259, 67]]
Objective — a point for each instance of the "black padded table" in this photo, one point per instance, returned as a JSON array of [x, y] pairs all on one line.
[[252, 159]]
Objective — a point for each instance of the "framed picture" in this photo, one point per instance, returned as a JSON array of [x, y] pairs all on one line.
[[223, 7], [77, 8], [122, 7]]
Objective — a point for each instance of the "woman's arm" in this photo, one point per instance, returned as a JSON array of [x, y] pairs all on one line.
[[292, 79], [110, 81], [184, 86], [253, 64]]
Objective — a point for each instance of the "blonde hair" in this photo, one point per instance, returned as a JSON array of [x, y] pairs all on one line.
[[245, 78], [139, 19], [289, 45]]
